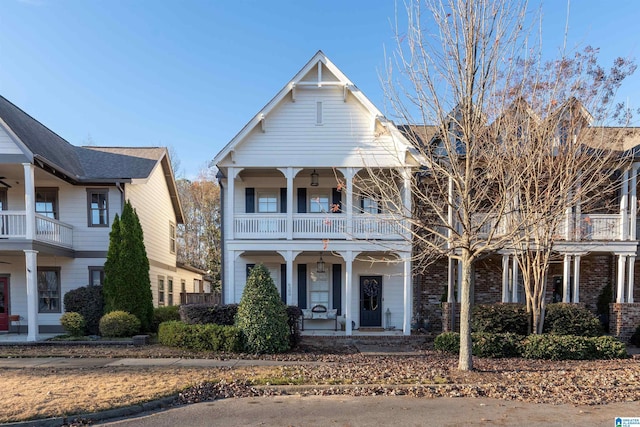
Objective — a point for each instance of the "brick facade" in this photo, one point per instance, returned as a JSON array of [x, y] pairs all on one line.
[[624, 319]]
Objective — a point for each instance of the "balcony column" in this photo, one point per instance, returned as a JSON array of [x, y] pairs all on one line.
[[30, 200], [347, 206], [633, 203], [621, 270], [230, 202], [514, 287], [624, 217], [630, 278], [290, 176], [406, 321], [566, 278], [505, 278], [406, 201], [31, 260], [576, 279]]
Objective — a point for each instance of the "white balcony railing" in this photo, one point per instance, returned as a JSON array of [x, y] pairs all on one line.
[[13, 225], [316, 226]]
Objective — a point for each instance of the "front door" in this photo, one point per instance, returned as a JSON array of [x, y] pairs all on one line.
[[371, 301], [4, 304]]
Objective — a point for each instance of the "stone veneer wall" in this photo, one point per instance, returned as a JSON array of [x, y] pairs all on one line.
[[624, 319]]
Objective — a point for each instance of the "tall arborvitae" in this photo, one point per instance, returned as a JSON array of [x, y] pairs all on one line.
[[127, 285]]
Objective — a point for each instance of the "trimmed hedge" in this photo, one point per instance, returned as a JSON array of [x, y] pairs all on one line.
[[293, 319], [200, 337], [500, 318], [571, 319], [73, 323], [119, 324], [164, 314], [203, 314], [89, 302], [549, 346]]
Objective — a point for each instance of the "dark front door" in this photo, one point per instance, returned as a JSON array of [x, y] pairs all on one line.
[[371, 301], [4, 304]]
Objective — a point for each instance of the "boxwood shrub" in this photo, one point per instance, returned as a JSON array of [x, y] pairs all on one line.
[[448, 342], [500, 318], [571, 319], [496, 345], [200, 337], [164, 314], [119, 324], [73, 323], [89, 302], [203, 314]]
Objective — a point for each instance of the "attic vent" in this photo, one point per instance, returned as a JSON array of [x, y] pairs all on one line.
[[318, 112]]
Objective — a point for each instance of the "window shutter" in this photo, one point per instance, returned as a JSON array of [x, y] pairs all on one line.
[[250, 200], [302, 200], [283, 200], [283, 283], [336, 199], [336, 272], [302, 285]]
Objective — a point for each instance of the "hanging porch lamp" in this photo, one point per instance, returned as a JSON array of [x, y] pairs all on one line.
[[314, 178], [320, 265]]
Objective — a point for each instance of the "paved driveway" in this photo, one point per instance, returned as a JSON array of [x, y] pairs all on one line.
[[380, 411]]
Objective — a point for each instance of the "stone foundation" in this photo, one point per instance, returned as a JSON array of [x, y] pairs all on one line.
[[624, 319]]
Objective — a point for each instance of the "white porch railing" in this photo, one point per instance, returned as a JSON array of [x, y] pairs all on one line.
[[599, 227], [13, 225], [316, 226]]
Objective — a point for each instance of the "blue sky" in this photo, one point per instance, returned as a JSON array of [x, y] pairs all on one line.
[[190, 73]]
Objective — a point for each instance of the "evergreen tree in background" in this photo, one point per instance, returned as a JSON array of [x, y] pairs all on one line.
[[127, 286]]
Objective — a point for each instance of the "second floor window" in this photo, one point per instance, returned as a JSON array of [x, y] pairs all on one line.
[[3, 199], [319, 203], [47, 202], [267, 202], [369, 205], [97, 206], [172, 238], [160, 290]]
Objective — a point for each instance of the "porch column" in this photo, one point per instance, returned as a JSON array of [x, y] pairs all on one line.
[[633, 203], [289, 175], [624, 217], [30, 200], [348, 309], [621, 267], [406, 321], [630, 279], [459, 280], [514, 280], [229, 292], [566, 278], [230, 201], [505, 278], [451, 296], [406, 201], [290, 257], [31, 259], [576, 278]]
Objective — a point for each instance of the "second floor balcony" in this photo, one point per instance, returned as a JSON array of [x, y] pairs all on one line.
[[13, 225]]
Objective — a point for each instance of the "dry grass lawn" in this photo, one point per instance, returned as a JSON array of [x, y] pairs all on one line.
[[41, 393]]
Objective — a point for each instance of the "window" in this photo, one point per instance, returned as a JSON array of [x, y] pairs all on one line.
[[49, 290], [183, 286], [170, 290], [319, 289], [172, 238], [319, 203], [96, 276], [47, 202], [160, 290], [267, 202], [3, 199], [98, 207], [369, 205]]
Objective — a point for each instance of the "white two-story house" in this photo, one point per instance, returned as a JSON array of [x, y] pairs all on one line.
[[289, 202], [57, 204]]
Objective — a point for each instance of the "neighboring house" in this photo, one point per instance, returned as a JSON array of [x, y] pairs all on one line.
[[57, 204], [289, 202]]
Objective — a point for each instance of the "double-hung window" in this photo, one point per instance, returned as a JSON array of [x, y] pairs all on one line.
[[49, 290], [172, 238], [319, 203], [96, 276], [267, 202], [98, 207], [370, 205], [160, 290], [47, 202]]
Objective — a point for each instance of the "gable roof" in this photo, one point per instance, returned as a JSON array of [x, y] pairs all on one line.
[[319, 59], [85, 165]]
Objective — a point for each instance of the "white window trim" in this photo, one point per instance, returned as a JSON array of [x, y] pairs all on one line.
[[313, 203], [270, 194], [319, 113]]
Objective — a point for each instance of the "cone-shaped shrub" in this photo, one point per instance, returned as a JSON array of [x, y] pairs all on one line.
[[262, 316]]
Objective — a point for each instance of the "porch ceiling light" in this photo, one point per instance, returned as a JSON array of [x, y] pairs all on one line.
[[314, 178], [320, 265]]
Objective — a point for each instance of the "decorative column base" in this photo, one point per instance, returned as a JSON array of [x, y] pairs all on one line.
[[624, 318]]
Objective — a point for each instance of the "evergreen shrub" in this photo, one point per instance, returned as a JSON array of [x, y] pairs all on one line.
[[209, 337], [500, 318], [73, 323], [262, 316], [164, 314], [118, 324], [202, 314], [571, 319], [89, 302]]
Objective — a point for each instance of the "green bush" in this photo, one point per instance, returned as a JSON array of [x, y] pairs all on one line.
[[609, 348], [200, 337], [496, 345], [500, 318], [262, 316], [89, 302], [202, 314], [571, 319], [449, 342], [73, 323], [164, 314], [293, 320], [119, 324]]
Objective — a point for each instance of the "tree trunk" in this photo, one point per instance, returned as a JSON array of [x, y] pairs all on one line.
[[465, 362]]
